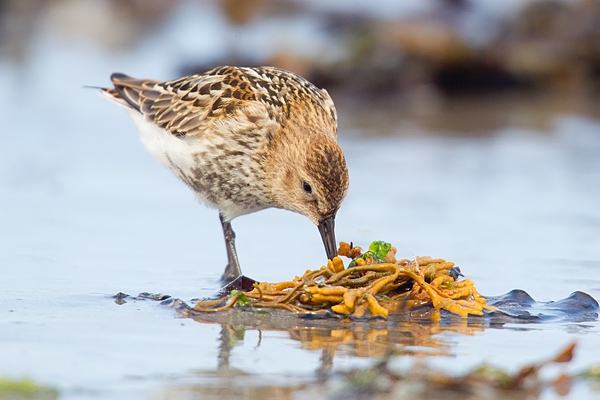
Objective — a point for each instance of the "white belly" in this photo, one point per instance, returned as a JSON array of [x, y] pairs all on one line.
[[190, 158]]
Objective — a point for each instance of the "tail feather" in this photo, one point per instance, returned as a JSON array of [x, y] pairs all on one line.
[[127, 90], [113, 95]]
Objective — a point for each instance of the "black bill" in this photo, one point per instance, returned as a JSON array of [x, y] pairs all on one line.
[[326, 228]]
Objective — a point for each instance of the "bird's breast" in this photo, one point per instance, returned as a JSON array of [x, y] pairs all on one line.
[[225, 172]]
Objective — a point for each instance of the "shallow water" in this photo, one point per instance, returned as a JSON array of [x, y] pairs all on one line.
[[86, 213]]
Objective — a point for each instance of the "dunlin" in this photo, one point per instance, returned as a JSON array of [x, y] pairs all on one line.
[[244, 139]]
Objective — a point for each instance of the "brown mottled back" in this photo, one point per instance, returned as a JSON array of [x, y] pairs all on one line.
[[189, 106]]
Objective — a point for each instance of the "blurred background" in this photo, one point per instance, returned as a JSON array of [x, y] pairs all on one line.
[[471, 130], [431, 62]]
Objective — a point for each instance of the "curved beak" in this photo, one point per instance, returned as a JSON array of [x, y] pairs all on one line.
[[326, 228]]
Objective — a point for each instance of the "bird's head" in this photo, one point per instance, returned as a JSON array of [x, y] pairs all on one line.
[[310, 177]]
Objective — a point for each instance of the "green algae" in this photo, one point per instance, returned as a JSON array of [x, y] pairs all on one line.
[[25, 389]]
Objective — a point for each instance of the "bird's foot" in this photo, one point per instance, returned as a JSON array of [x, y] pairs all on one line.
[[232, 278], [231, 273], [242, 283]]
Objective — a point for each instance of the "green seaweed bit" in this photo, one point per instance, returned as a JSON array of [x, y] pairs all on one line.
[[430, 273], [377, 251], [495, 375], [448, 285], [362, 256], [384, 297], [380, 249], [240, 297], [592, 373], [240, 330], [235, 334], [364, 380], [25, 387]]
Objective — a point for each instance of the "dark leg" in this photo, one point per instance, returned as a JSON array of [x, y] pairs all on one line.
[[224, 348], [232, 270]]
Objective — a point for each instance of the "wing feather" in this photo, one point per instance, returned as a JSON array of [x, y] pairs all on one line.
[[191, 105]]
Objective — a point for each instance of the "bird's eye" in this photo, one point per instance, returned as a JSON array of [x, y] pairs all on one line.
[[307, 187]]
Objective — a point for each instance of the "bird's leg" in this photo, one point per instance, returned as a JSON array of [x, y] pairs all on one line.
[[232, 270]]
